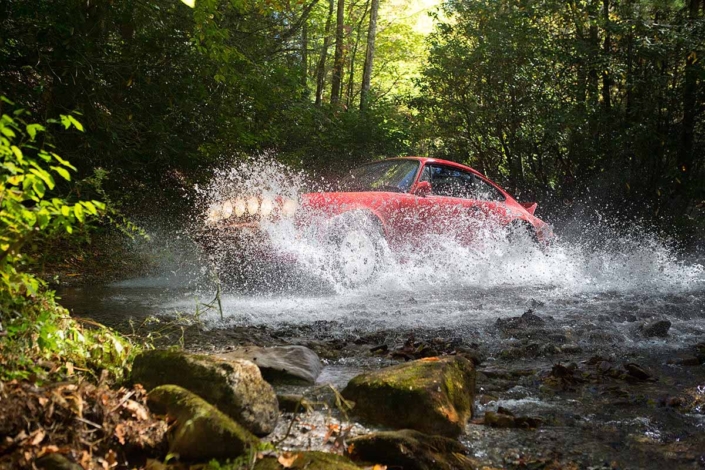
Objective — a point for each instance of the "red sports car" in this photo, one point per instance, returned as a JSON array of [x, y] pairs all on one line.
[[392, 202]]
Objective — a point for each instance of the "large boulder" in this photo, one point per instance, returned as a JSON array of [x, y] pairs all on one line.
[[202, 432], [235, 387], [410, 450], [280, 363], [432, 395], [306, 460]]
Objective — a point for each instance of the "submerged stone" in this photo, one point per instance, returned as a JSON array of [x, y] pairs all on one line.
[[234, 387], [657, 329], [410, 450], [309, 460], [280, 363], [202, 432], [432, 395]]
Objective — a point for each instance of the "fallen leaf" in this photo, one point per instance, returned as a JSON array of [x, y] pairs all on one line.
[[38, 437], [69, 369], [137, 410], [287, 459]]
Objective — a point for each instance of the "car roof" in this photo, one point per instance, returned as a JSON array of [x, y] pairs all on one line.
[[440, 161]]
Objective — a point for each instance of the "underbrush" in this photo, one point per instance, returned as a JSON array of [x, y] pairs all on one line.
[[42, 342]]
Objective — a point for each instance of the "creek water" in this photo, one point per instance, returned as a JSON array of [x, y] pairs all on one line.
[[595, 289]]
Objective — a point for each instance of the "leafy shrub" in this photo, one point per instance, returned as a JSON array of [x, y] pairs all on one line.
[[29, 170], [40, 338]]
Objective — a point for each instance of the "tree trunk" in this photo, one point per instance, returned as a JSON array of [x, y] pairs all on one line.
[[690, 104], [606, 79], [304, 55], [353, 57], [369, 56], [339, 61], [321, 67]]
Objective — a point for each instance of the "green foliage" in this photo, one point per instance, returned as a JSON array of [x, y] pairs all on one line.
[[43, 342], [574, 96], [29, 170]]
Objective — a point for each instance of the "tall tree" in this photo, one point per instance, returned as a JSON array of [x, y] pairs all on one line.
[[369, 56], [321, 67], [339, 60]]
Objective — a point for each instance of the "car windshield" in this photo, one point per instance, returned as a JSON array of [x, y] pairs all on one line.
[[391, 175]]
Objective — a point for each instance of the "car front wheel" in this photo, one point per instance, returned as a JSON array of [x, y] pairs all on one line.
[[357, 253]]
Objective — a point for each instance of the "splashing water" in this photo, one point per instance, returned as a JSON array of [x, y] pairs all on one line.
[[626, 262], [433, 280]]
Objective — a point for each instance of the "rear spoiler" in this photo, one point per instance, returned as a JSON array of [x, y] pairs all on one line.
[[529, 206]]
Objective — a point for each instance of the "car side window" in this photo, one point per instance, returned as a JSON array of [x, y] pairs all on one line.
[[451, 182], [486, 192]]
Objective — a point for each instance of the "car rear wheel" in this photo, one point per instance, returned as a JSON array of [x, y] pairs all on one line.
[[521, 232]]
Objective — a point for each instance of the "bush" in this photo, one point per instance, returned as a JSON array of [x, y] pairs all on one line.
[[40, 337]]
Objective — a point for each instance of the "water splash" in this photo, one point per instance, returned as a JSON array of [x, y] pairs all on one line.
[[601, 258]]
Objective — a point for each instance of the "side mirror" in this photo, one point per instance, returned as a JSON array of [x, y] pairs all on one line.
[[423, 189]]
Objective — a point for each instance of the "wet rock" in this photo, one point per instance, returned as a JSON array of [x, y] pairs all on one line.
[[485, 399], [306, 460], [410, 450], [571, 348], [56, 461], [656, 329], [280, 363], [635, 371], [202, 432], [688, 361], [527, 320], [432, 395], [235, 387], [293, 404], [504, 418]]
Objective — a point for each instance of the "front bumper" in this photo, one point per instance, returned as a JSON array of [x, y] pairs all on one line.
[[245, 242]]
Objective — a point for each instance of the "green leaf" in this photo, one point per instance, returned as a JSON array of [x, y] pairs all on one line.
[[32, 130], [39, 188], [65, 211], [76, 123], [78, 212], [90, 207], [63, 172], [44, 175], [63, 162], [18, 153]]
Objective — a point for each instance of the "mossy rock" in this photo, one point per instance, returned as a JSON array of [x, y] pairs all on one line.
[[202, 432], [235, 387], [410, 450], [431, 395], [309, 461]]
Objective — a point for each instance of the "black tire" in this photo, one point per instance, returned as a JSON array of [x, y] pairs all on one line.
[[519, 231]]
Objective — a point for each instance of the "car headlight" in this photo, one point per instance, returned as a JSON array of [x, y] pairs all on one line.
[[289, 207]]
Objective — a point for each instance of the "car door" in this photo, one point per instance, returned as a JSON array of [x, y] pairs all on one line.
[[451, 209]]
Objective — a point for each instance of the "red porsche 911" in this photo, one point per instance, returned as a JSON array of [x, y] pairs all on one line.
[[390, 203]]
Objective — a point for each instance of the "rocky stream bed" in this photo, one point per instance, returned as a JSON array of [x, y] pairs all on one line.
[[609, 379]]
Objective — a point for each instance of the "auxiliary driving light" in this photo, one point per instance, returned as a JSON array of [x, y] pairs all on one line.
[[227, 210], [266, 207], [252, 205], [289, 207], [240, 207]]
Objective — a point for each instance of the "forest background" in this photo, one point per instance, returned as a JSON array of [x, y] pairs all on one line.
[[558, 100]]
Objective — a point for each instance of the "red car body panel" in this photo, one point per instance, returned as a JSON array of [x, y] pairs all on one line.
[[406, 216]]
